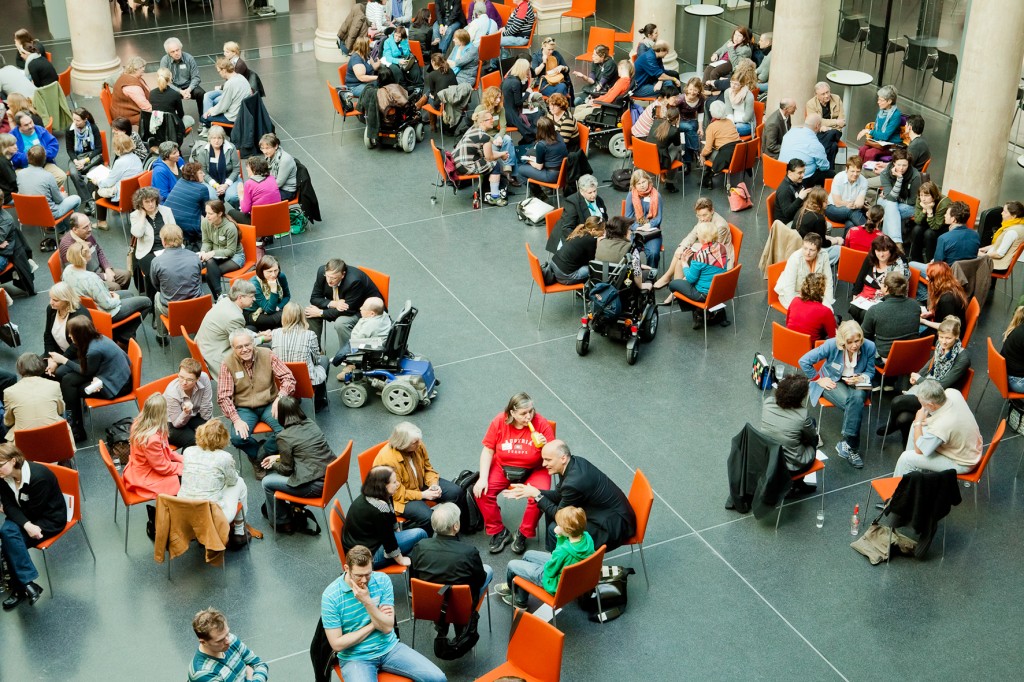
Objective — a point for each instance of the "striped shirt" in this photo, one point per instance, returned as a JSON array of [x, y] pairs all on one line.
[[299, 345], [230, 668], [340, 609]]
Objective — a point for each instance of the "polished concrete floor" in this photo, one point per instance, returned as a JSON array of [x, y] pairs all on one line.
[[729, 598]]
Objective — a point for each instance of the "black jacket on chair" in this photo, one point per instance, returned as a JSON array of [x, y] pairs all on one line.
[[306, 194], [758, 478], [575, 213], [446, 560], [610, 518], [253, 122], [921, 500]]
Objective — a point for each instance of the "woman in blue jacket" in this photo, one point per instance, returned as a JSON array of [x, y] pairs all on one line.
[[167, 168], [888, 122], [848, 367], [709, 259]]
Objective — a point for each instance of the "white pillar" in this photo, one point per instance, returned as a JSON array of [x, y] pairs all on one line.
[[661, 13], [985, 97], [795, 52], [329, 16], [94, 58], [57, 20]]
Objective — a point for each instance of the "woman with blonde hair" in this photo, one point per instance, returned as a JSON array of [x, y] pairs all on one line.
[[844, 380], [85, 282], [153, 467], [167, 99], [130, 92], [1013, 348], [491, 100], [208, 473], [295, 342], [65, 305], [513, 90], [234, 52], [709, 259]]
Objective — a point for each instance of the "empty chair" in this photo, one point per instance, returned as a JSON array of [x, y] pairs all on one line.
[[878, 43], [851, 30], [534, 651], [946, 64], [917, 58]]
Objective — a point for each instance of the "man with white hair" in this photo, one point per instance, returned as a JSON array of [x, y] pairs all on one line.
[[776, 125], [576, 209], [828, 106], [445, 559], [803, 143], [944, 435], [184, 70]]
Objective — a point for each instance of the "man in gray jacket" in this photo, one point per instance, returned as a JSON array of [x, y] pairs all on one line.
[[784, 419], [176, 275], [226, 107], [184, 70]]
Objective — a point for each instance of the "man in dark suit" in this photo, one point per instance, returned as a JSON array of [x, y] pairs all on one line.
[[790, 195], [610, 518], [338, 293], [776, 125], [578, 207]]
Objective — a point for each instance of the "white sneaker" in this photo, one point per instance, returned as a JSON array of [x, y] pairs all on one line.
[[10, 301], [32, 264]]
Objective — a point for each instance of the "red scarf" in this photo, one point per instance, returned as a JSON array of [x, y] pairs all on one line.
[[638, 206]]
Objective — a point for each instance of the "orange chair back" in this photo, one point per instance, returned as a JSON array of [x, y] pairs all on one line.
[[336, 526], [975, 475], [641, 499], [336, 98], [126, 192], [737, 241], [758, 113], [438, 160], [490, 80], [850, 263], [774, 171], [105, 148], [536, 647], [342, 73], [128, 498], [908, 356], [535, 270], [67, 479], [625, 37], [427, 601], [56, 271], [33, 210], [504, 10], [381, 281], [417, 51], [102, 320], [645, 157], [50, 443], [769, 207], [965, 385], [193, 350], [135, 358], [246, 235], [915, 279], [64, 78], [997, 371], [579, 579], [5, 313], [1013, 261], [337, 474], [973, 203], [774, 271], [584, 137], [159, 386], [106, 99], [627, 129], [970, 321], [303, 384], [789, 346], [552, 218], [598, 34], [366, 457], [271, 219], [490, 47], [188, 314], [723, 287]]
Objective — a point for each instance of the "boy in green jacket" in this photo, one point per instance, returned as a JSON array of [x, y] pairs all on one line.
[[573, 545]]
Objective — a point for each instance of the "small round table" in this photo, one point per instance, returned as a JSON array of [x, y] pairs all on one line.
[[848, 79], [1020, 160], [931, 41], [702, 11]]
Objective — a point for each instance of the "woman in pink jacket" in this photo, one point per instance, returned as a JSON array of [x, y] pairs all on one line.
[[153, 467], [261, 188]]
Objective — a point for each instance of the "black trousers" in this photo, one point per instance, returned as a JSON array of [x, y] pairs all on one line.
[[184, 436], [72, 390], [417, 512]]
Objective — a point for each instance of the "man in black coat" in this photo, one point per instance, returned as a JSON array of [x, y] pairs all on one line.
[[790, 195], [578, 207], [338, 293], [36, 513], [610, 518]]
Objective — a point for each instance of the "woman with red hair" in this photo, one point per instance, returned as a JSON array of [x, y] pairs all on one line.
[[946, 296]]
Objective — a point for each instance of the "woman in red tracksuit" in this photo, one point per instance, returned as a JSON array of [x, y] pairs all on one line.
[[511, 454]]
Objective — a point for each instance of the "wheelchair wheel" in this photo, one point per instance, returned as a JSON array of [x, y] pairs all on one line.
[[650, 326], [399, 398], [354, 395], [582, 341], [617, 146], [421, 132], [632, 350], [408, 139]]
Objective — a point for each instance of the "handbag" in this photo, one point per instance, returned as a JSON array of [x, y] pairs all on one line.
[[1015, 419], [516, 474], [739, 198], [763, 373], [130, 258]]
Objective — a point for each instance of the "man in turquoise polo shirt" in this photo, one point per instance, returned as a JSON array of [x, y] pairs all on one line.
[[358, 610]]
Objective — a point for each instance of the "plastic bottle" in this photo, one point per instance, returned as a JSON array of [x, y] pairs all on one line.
[[476, 199], [537, 443], [855, 520]]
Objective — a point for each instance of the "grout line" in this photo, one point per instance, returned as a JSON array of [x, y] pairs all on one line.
[[281, 658]]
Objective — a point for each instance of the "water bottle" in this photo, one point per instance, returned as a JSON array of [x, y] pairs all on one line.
[[855, 521], [476, 199]]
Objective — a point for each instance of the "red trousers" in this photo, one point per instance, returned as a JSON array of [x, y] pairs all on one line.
[[496, 482]]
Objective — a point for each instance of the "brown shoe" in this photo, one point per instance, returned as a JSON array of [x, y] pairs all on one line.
[[236, 541], [258, 471], [102, 225]]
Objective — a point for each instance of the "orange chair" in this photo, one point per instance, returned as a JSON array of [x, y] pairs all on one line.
[[50, 444], [558, 185], [1008, 273], [626, 123], [193, 350], [35, 210], [552, 218], [773, 272], [438, 113], [974, 477], [970, 321], [773, 173], [998, 377], [246, 235], [490, 80], [737, 241], [905, 357], [723, 290], [645, 157], [135, 358], [743, 159], [915, 279], [269, 220], [124, 204], [382, 676], [597, 36], [336, 526], [64, 78], [527, 49], [339, 110], [303, 384], [381, 281], [625, 36], [538, 281], [129, 499], [833, 224], [850, 263], [56, 270], [769, 209], [584, 132], [158, 386], [67, 479], [104, 321], [342, 74], [489, 48], [972, 202], [789, 346], [428, 598], [335, 477], [417, 51], [582, 9], [534, 651], [576, 581], [107, 99], [186, 315], [443, 180], [817, 467], [366, 457], [641, 499]]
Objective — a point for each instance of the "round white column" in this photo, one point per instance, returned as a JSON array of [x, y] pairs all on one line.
[[661, 13], [329, 16], [94, 58], [795, 52]]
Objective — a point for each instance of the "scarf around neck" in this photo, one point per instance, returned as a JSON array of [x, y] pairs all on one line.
[[711, 254], [638, 204], [1006, 223], [83, 139], [941, 364]]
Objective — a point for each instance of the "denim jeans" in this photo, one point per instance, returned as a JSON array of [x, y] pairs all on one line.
[[645, 90], [1016, 384], [209, 99], [911, 461], [743, 128], [417, 512], [652, 250], [70, 203], [690, 138], [407, 539], [14, 544], [507, 145], [449, 34], [219, 118], [530, 567], [253, 416], [895, 214], [274, 482], [528, 172], [508, 41], [401, 660], [849, 216], [851, 401]]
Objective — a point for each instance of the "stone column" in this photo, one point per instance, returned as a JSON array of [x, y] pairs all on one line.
[[94, 58], [795, 52], [661, 13], [549, 16], [329, 16], [986, 92]]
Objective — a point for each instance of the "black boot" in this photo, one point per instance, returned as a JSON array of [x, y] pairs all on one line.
[[320, 402], [151, 524]]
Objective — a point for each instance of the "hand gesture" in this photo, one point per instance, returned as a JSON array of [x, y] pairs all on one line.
[[403, 561], [241, 428], [826, 383]]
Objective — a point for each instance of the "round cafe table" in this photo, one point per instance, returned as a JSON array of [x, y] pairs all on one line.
[[848, 79], [702, 11]]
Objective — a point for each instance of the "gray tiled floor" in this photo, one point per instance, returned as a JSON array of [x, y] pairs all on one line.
[[729, 599]]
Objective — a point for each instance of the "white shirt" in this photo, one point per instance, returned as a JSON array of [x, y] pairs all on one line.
[[847, 192], [59, 332]]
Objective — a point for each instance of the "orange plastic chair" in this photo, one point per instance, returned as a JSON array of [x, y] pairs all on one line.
[[723, 290], [158, 386], [56, 271], [50, 444], [789, 346], [34, 210], [527, 49], [597, 35], [106, 99], [491, 80], [773, 273], [67, 479], [552, 218], [366, 457], [64, 78], [582, 9], [641, 499], [124, 204], [382, 676], [645, 157], [5, 315], [538, 281], [336, 526], [335, 477], [737, 241], [246, 235], [833, 224], [193, 350], [972, 202], [998, 377], [626, 36], [626, 123], [104, 321], [818, 466], [303, 384], [743, 158], [558, 185], [576, 580], [129, 499], [773, 173], [905, 357], [490, 48], [534, 651], [442, 177], [381, 281], [271, 219], [504, 9], [850, 263], [417, 51], [342, 73], [584, 132], [915, 279], [769, 209], [970, 321], [974, 477], [135, 358], [1008, 273], [186, 315], [427, 599], [339, 110]]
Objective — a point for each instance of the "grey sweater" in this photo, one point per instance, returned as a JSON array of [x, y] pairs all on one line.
[[896, 318], [236, 89]]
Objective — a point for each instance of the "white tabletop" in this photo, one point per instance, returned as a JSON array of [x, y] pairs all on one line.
[[703, 10], [848, 77], [1020, 160]]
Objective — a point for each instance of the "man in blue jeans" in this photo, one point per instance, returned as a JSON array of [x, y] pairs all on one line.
[[358, 612], [251, 383]]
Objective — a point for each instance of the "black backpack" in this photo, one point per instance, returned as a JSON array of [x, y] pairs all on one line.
[[614, 595], [118, 436], [605, 299], [450, 649], [472, 520], [620, 179]]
